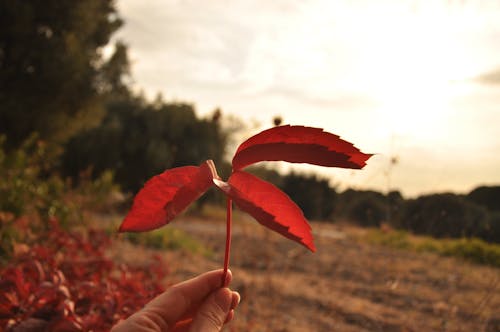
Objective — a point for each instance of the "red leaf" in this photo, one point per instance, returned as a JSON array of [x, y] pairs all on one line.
[[269, 206], [298, 144], [168, 194]]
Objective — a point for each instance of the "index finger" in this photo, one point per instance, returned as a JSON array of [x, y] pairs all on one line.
[[182, 298]]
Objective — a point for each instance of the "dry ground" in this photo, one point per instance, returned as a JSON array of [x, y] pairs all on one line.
[[347, 285]]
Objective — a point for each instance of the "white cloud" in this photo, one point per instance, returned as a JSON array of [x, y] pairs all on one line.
[[366, 70]]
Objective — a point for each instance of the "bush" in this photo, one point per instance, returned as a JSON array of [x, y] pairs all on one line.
[[30, 188], [67, 284], [393, 239], [395, 209], [473, 250], [445, 215], [491, 232], [27, 186], [489, 197], [365, 208], [312, 194]]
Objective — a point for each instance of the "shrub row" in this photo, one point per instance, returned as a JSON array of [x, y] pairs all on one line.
[[473, 250], [443, 215]]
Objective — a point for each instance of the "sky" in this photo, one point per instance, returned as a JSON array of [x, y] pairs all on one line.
[[415, 82]]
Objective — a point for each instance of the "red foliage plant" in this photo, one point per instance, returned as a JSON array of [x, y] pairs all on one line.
[[166, 195], [66, 284]]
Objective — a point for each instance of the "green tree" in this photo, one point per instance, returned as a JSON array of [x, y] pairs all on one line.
[[395, 208], [487, 196], [50, 63], [114, 75], [445, 215], [314, 195], [137, 140], [364, 207]]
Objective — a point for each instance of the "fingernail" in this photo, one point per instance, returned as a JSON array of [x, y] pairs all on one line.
[[238, 297]]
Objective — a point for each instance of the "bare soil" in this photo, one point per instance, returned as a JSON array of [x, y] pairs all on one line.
[[347, 285]]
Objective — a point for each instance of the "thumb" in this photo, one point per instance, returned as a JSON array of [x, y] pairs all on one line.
[[213, 312]]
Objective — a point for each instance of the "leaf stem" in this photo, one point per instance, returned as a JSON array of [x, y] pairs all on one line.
[[229, 213]]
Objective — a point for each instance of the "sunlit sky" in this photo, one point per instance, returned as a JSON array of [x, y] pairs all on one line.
[[414, 80]]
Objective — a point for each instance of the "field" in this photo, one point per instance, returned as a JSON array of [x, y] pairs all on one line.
[[347, 285]]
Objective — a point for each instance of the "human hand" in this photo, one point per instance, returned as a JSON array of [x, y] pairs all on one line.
[[198, 304]]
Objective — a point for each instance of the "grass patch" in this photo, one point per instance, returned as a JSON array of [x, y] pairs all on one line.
[[217, 213], [170, 239], [473, 250], [393, 239]]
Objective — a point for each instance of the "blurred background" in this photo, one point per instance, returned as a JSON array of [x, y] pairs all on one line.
[[97, 96]]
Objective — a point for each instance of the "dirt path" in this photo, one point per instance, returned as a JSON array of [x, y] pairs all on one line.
[[345, 285]]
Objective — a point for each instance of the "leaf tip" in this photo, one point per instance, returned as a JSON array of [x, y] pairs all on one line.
[[308, 242], [311, 247]]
